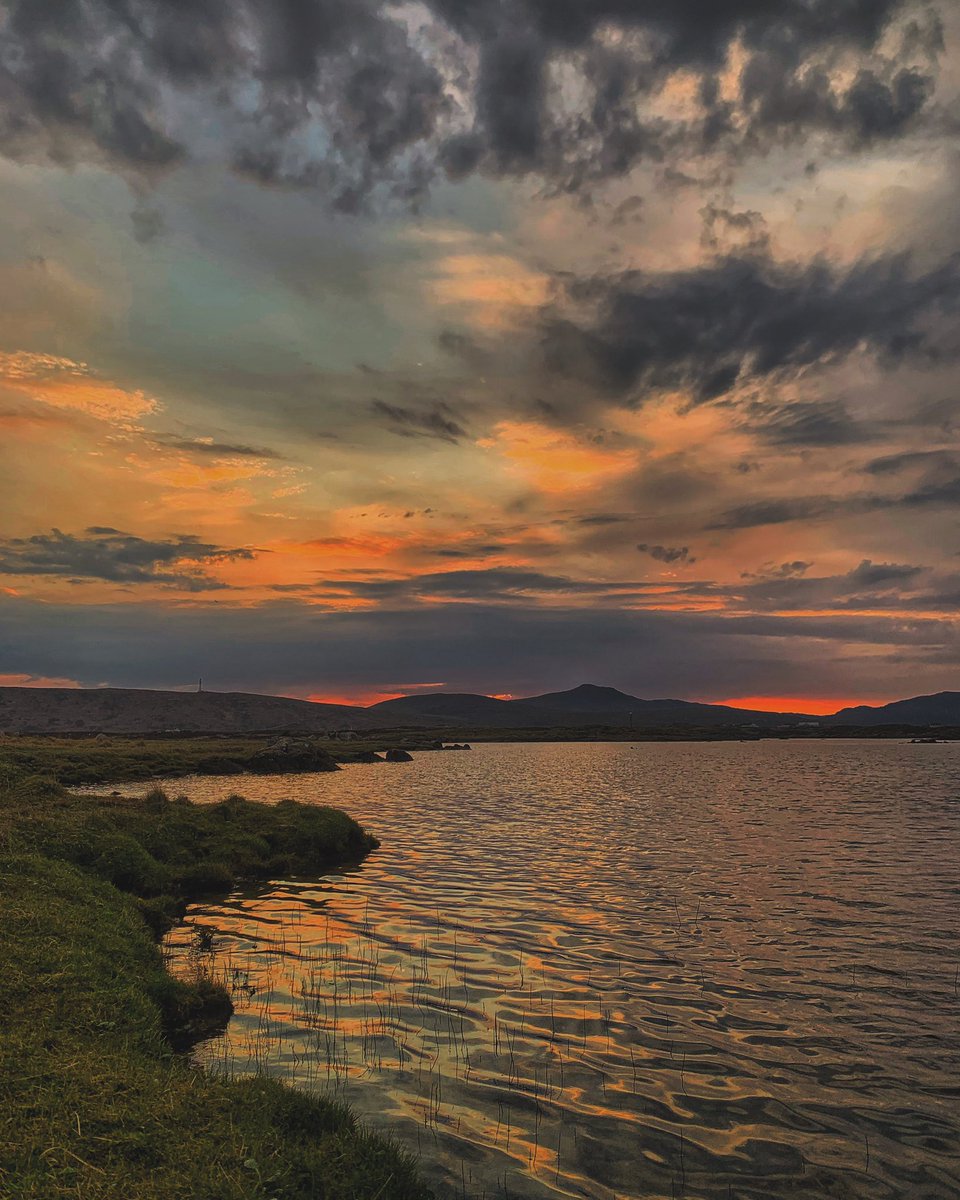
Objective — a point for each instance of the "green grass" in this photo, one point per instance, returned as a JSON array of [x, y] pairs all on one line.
[[94, 1104], [77, 761]]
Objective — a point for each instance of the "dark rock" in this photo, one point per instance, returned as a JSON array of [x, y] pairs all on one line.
[[398, 756], [290, 756]]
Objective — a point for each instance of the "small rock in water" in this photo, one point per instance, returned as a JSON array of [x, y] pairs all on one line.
[[398, 756]]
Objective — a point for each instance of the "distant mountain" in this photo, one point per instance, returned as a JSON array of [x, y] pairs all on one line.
[[123, 710], [609, 706], [585, 705], [943, 708]]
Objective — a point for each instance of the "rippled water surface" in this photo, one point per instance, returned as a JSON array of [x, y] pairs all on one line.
[[710, 970]]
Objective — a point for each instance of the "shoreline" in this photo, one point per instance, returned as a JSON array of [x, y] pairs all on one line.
[[76, 760], [94, 1098]]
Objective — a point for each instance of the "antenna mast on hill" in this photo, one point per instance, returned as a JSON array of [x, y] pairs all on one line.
[[200, 686]]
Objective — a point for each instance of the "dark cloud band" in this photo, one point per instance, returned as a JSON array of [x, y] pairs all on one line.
[[351, 96], [107, 554]]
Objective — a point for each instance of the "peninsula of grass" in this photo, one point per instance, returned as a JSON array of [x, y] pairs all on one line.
[[94, 1101], [116, 759]]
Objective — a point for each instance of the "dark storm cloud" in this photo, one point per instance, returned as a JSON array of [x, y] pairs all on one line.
[[473, 647], [219, 449], [667, 554], [870, 585], [106, 553], [940, 489], [786, 570], [603, 519], [488, 550], [894, 464], [148, 224], [786, 88], [436, 421], [493, 583], [937, 492], [344, 96], [938, 482], [806, 423], [116, 80], [465, 348], [870, 574], [777, 512], [747, 317]]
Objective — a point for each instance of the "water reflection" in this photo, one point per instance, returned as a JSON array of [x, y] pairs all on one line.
[[611, 971]]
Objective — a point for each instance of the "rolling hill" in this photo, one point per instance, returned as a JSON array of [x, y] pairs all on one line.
[[582, 706], [942, 708], [609, 706], [132, 711], [123, 710]]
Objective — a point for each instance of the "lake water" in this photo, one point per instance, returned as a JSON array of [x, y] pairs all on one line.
[[721, 970]]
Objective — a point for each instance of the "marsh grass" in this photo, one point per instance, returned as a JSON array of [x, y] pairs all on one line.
[[82, 761], [90, 760], [94, 1103]]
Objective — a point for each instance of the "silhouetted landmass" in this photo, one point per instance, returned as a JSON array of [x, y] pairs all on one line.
[[585, 705], [451, 708], [128, 710], [943, 708], [79, 711], [608, 706]]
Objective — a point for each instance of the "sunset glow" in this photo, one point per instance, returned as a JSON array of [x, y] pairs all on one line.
[[513, 391], [795, 704]]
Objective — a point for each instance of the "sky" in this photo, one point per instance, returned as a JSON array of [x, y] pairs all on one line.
[[353, 348]]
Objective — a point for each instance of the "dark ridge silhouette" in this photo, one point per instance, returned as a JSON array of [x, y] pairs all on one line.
[[585, 705], [942, 708], [131, 711]]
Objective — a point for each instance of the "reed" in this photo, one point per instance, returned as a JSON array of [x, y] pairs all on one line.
[[94, 1102]]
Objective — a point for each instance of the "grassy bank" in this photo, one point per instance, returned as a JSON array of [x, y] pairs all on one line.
[[77, 761], [94, 1103]]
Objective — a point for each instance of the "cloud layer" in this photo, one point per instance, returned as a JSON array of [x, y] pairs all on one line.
[[352, 95], [506, 343]]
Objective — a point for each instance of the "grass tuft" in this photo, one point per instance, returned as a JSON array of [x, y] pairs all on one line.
[[94, 1102]]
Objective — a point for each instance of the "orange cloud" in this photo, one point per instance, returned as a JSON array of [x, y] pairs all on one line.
[[491, 287], [65, 384], [368, 546], [555, 462], [181, 471], [37, 681]]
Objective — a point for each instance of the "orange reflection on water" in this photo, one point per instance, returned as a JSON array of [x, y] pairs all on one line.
[[623, 970]]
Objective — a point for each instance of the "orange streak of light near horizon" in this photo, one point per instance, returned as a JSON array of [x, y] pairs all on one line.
[[796, 704]]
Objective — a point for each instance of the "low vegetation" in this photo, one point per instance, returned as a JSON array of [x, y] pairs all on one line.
[[82, 761], [94, 1102], [89, 760]]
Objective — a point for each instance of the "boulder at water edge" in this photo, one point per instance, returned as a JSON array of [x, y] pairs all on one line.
[[289, 755]]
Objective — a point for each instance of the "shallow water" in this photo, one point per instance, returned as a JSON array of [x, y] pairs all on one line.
[[719, 970]]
